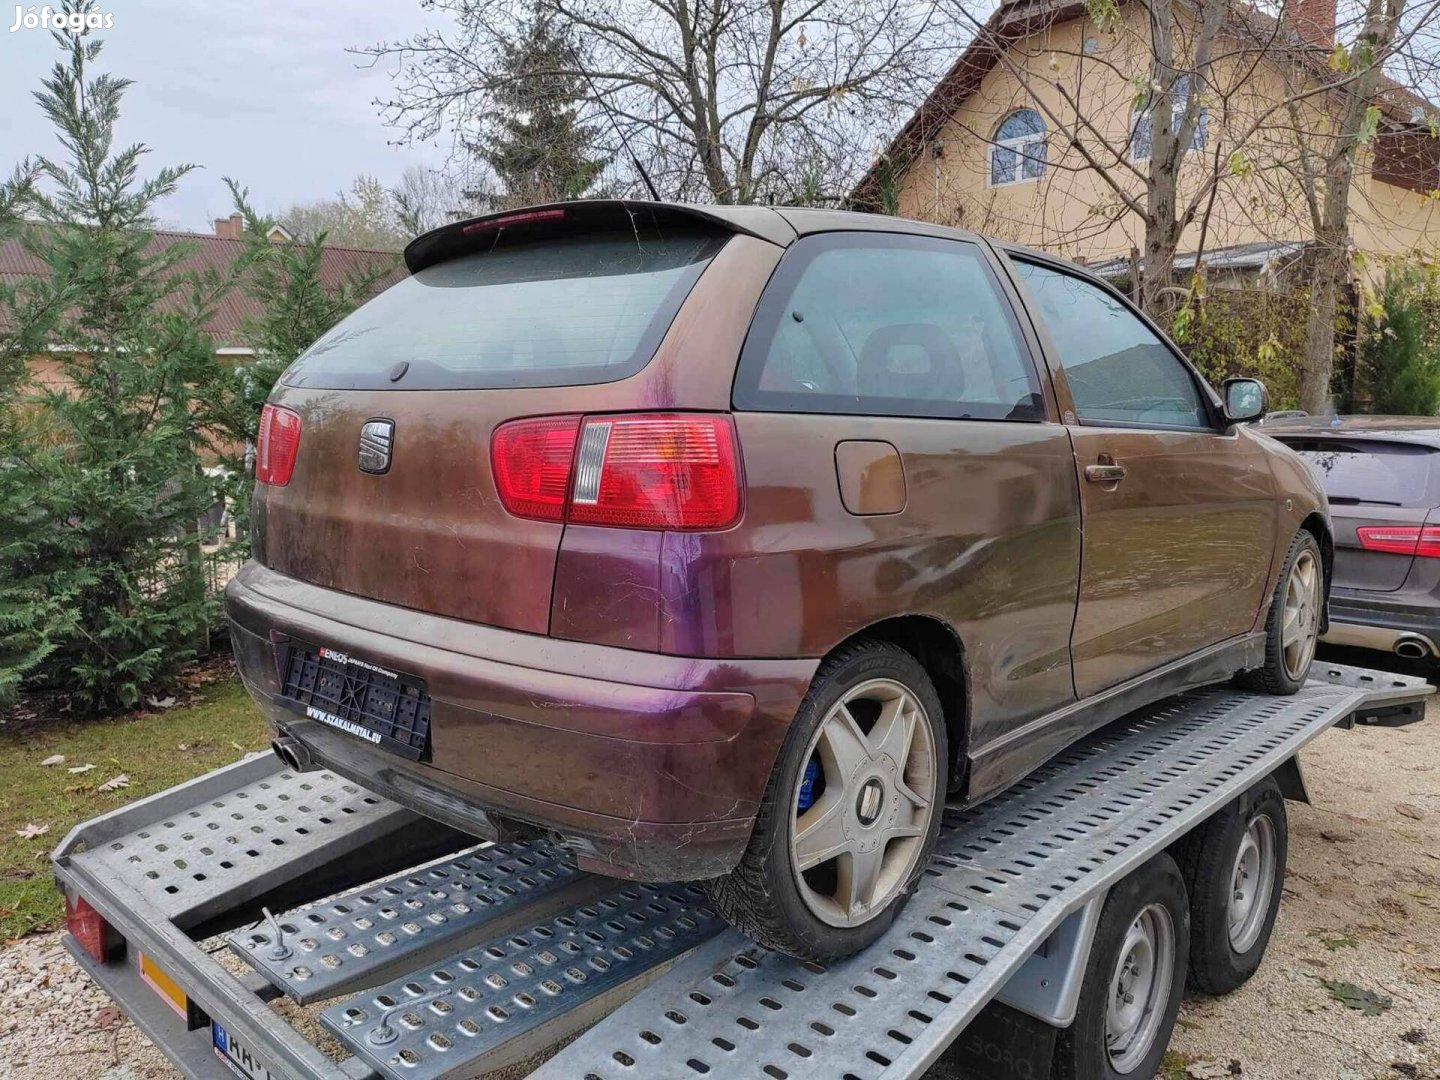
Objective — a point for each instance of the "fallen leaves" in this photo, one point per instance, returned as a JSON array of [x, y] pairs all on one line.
[[115, 783], [107, 1017], [54, 759], [80, 768], [1343, 941], [1207, 1070], [1414, 813], [31, 830], [1366, 1002]]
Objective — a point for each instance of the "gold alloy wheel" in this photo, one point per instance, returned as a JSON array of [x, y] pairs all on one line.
[[1300, 626], [854, 848]]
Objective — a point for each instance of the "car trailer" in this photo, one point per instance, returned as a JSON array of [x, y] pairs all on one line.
[[286, 924]]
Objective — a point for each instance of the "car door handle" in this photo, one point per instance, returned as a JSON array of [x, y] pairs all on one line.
[[1105, 474]]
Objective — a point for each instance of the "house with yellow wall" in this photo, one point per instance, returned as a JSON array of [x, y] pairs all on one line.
[[1040, 131]]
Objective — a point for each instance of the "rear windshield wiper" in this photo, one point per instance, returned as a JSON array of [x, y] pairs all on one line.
[[1351, 500]]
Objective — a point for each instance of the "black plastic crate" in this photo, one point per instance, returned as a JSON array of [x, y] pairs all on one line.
[[356, 696]]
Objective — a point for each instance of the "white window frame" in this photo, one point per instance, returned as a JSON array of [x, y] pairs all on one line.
[[1198, 137], [1018, 146]]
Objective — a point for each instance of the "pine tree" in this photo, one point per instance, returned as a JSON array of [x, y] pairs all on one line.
[[538, 148], [102, 593], [284, 279]]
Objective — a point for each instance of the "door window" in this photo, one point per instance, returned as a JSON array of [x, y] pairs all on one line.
[[1118, 369], [889, 325]]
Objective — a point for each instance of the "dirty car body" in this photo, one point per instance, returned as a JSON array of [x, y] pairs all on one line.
[[928, 450]]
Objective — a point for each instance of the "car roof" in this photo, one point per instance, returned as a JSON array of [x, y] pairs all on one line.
[[1424, 430]]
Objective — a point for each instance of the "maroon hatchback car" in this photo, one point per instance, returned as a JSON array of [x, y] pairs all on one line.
[[730, 543]]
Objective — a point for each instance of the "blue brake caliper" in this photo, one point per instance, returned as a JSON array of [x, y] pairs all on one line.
[[807, 786]]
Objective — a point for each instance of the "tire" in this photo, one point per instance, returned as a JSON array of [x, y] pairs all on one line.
[[1279, 675], [1222, 961], [767, 895], [1156, 893]]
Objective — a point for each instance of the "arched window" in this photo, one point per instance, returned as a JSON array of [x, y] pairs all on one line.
[[1140, 125], [1018, 153]]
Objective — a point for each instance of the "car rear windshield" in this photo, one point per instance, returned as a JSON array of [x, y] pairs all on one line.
[[566, 312], [1369, 471]]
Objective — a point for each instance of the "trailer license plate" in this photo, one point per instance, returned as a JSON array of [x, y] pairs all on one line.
[[236, 1056]]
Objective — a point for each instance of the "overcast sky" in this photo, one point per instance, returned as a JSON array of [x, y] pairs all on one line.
[[261, 90]]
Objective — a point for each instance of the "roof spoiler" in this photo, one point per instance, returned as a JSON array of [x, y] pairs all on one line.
[[536, 222]]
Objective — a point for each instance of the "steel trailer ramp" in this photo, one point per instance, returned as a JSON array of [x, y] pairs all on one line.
[[1005, 875], [371, 933], [203, 848], [489, 1006]]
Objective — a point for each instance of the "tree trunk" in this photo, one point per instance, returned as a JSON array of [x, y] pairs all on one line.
[[1331, 262], [1332, 233]]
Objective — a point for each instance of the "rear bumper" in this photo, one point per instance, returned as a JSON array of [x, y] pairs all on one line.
[[650, 767], [1372, 623]]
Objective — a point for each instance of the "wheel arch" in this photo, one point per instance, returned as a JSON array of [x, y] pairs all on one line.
[[934, 643], [1317, 525]]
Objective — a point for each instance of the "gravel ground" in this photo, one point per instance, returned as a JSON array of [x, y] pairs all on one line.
[[1361, 906]]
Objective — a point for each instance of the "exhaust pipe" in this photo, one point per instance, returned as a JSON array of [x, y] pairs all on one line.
[[295, 754], [1413, 647]]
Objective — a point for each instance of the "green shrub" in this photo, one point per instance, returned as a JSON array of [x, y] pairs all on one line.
[[1400, 343], [1255, 332]]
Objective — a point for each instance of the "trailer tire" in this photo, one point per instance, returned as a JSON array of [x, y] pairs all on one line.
[[1134, 979], [1234, 866]]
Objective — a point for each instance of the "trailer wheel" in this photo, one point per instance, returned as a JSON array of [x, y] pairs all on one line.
[[1234, 866], [1133, 979]]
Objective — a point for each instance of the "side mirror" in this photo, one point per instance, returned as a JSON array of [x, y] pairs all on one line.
[[1245, 400]]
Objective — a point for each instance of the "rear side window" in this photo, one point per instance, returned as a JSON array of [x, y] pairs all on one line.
[[1369, 471], [566, 312], [887, 325], [1118, 369]]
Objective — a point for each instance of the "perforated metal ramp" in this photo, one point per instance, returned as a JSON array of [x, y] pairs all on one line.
[[674, 992], [1004, 876], [239, 839], [358, 939], [443, 1020]]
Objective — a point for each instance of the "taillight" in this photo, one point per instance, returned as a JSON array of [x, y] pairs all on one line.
[[524, 217], [277, 446], [531, 461], [676, 471], [89, 928], [1401, 539]]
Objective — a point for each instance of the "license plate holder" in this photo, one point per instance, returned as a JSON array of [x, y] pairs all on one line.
[[241, 1061], [369, 701]]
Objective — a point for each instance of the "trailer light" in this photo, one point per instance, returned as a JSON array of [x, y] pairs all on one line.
[[89, 928]]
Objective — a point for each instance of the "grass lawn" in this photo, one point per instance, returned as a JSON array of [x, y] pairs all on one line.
[[154, 749]]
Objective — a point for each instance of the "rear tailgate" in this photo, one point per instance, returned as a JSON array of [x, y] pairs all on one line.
[[1371, 483], [429, 533], [558, 317]]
